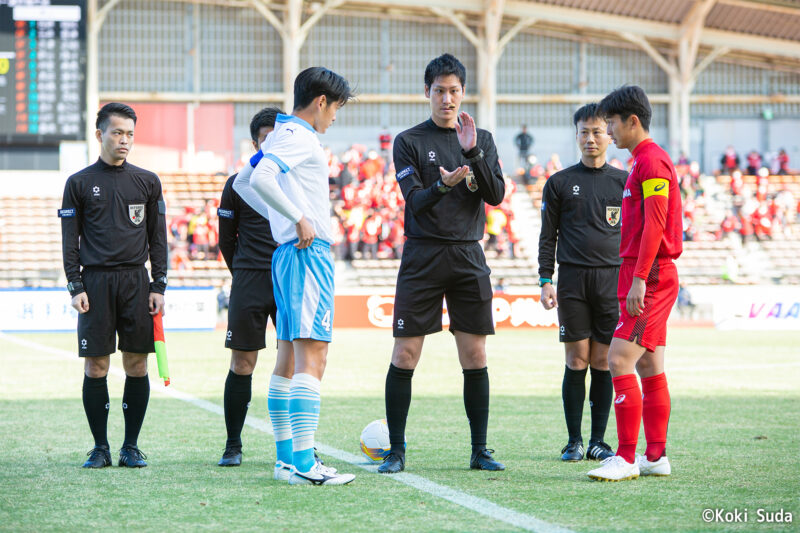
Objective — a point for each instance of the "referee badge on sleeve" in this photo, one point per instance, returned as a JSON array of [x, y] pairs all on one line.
[[472, 183], [612, 215], [136, 213]]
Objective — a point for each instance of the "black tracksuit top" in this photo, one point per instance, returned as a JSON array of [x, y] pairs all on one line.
[[114, 217], [245, 237], [456, 216], [581, 208]]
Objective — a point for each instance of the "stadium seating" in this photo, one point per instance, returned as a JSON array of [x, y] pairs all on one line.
[[30, 242]]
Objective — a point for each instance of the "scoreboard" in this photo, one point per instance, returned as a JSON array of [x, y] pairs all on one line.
[[42, 71]]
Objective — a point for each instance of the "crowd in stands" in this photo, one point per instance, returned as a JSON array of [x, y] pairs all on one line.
[[756, 202], [193, 235], [368, 209], [744, 199]]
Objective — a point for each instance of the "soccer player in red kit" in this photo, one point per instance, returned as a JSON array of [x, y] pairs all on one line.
[[648, 287]]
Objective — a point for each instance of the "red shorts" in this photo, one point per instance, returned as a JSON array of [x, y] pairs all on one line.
[[649, 329]]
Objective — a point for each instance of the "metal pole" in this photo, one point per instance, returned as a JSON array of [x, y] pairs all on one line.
[[92, 89]]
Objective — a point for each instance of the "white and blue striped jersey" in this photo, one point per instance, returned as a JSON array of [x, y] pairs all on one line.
[[296, 149]]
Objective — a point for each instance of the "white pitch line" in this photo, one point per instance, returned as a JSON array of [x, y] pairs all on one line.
[[462, 499]]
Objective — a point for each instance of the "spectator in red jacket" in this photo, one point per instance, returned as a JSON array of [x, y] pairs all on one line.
[[729, 161], [753, 162]]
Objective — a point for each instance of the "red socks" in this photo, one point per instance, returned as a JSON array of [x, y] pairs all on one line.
[[628, 409], [655, 415], [632, 407]]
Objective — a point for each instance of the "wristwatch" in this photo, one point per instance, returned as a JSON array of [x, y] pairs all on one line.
[[542, 281], [443, 189], [75, 287], [475, 159]]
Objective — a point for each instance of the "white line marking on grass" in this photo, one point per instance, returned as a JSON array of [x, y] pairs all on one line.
[[473, 503], [724, 368]]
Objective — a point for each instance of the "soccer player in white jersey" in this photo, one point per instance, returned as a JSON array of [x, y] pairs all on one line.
[[289, 185]]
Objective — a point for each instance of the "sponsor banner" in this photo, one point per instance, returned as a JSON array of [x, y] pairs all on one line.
[[50, 309], [375, 311], [762, 308]]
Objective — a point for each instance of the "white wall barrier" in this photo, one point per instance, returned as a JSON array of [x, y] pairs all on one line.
[[192, 308], [752, 308], [195, 308]]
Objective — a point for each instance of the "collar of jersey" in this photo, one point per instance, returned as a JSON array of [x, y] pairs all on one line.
[[592, 169], [291, 118], [434, 125], [641, 145], [106, 166]]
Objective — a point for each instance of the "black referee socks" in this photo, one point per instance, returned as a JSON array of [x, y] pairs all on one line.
[[476, 403], [95, 403], [238, 392], [134, 406], [398, 399], [601, 391], [573, 392]]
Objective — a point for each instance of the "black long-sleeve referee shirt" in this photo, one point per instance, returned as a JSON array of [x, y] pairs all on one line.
[[114, 216], [245, 237], [457, 215], [581, 212]]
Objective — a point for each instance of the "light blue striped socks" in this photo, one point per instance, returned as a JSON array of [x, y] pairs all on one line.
[[278, 406], [304, 414]]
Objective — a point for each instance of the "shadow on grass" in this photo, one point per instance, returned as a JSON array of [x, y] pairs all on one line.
[[723, 451]]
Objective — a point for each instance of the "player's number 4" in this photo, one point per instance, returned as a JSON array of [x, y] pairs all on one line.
[[326, 320]]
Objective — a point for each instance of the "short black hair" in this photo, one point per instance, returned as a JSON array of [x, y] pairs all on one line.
[[263, 119], [445, 65], [318, 81], [626, 101], [113, 108], [587, 112]]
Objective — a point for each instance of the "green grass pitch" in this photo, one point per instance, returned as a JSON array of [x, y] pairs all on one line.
[[733, 442]]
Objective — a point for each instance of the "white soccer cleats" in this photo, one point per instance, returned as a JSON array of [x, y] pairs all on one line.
[[655, 468], [319, 475], [282, 471], [615, 468]]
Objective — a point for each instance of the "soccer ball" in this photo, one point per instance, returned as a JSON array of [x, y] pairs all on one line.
[[375, 443]]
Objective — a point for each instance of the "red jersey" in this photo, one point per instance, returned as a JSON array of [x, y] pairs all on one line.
[[651, 209]]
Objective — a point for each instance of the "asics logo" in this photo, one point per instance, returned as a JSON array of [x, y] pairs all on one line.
[[618, 326], [620, 399], [659, 187]]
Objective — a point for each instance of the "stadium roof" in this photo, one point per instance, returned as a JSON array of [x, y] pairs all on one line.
[[773, 19], [683, 37], [769, 29]]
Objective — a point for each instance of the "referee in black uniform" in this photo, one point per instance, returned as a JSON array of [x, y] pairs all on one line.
[[581, 213], [246, 243], [446, 169], [112, 220]]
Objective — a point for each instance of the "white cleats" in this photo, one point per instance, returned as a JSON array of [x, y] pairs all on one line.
[[282, 471], [615, 468], [655, 468], [319, 475]]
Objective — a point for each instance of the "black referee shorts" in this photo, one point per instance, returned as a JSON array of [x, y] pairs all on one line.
[[432, 271], [587, 303], [118, 304], [251, 303]]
